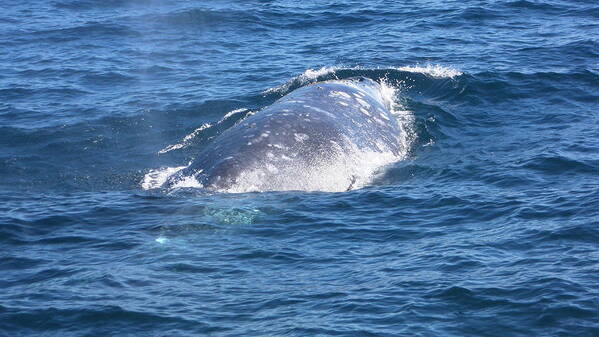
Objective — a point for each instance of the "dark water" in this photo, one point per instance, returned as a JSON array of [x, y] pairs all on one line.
[[488, 227]]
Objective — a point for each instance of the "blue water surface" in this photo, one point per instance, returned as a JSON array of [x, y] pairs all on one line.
[[488, 227]]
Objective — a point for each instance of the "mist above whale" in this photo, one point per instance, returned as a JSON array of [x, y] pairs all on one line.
[[326, 136]]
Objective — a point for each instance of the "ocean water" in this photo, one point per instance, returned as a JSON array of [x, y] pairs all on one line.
[[488, 225]]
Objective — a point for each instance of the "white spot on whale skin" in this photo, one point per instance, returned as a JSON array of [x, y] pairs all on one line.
[[384, 116], [300, 137], [363, 102], [260, 138], [343, 103], [316, 109], [339, 94], [364, 111], [380, 121]]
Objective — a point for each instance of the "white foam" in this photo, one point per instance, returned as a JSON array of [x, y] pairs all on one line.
[[157, 178], [186, 140], [189, 181], [311, 74], [231, 113], [436, 71]]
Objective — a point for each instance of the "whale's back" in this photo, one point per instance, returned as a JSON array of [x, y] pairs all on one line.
[[305, 141]]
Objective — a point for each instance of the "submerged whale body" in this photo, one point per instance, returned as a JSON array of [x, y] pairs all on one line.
[[327, 136]]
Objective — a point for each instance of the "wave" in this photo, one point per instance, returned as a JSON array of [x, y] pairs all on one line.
[[392, 75], [54, 319], [200, 18], [96, 30], [560, 165], [94, 4], [267, 18]]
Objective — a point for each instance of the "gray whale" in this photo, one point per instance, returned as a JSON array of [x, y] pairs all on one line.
[[328, 136]]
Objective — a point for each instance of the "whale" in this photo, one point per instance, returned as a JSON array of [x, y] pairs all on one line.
[[325, 136]]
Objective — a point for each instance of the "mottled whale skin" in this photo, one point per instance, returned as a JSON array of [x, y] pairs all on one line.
[[287, 145]]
